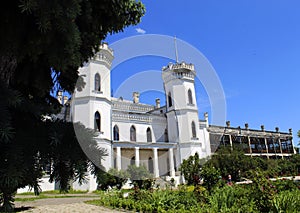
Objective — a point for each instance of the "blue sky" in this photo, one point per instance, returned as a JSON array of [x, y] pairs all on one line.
[[254, 47]]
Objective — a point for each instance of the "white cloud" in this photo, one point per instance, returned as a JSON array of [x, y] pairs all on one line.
[[140, 30]]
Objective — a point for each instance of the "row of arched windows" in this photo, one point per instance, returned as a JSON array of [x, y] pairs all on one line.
[[116, 132], [190, 98], [116, 135]]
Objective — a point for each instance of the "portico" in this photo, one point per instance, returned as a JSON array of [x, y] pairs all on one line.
[[158, 158]]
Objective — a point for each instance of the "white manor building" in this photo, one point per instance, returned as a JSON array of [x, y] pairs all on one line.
[[158, 137]]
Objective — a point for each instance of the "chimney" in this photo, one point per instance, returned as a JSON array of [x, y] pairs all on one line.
[[157, 102], [246, 125], [59, 97], [291, 131], [206, 119], [136, 97], [227, 123], [65, 99], [262, 128], [277, 129]]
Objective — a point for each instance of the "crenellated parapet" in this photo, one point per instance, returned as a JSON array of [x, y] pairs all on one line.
[[105, 55], [178, 71]]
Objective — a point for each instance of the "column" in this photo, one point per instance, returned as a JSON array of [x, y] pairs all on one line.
[[279, 141], [249, 143], [156, 170], [119, 157], [171, 160], [137, 156], [230, 141], [267, 149]]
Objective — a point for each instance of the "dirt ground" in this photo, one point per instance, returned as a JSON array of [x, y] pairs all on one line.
[[63, 205]]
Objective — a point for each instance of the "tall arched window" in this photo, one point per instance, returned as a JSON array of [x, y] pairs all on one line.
[[170, 99], [166, 137], [116, 133], [97, 82], [168, 166], [132, 133], [97, 121], [132, 160], [149, 135], [190, 96], [150, 165], [194, 130]]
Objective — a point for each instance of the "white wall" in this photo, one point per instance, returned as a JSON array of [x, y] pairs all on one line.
[[141, 131], [44, 184]]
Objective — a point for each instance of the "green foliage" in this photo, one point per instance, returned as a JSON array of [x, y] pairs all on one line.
[[211, 177], [112, 178], [157, 201], [236, 198], [140, 177], [231, 199], [285, 185], [233, 162], [263, 191], [190, 169], [58, 36], [201, 194], [287, 201]]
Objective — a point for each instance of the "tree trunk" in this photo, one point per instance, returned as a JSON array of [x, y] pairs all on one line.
[[8, 65]]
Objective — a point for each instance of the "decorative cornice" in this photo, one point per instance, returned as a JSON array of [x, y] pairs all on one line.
[[144, 118], [131, 107]]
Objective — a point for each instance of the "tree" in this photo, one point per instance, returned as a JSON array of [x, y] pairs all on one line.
[[42, 44], [112, 178], [211, 176], [140, 177], [234, 162], [190, 169], [58, 34]]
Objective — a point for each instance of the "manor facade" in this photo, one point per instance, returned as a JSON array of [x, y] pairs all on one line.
[[158, 137]]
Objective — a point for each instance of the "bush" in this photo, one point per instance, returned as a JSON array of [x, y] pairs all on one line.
[[231, 199], [287, 201], [112, 178], [140, 177]]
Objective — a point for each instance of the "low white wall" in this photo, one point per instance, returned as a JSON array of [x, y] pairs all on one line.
[[44, 184]]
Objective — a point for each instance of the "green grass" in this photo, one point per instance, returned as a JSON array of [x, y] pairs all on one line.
[[71, 191], [25, 199], [30, 196]]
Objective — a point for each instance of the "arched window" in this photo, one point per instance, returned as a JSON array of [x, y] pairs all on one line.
[[115, 163], [194, 130], [168, 166], [190, 96], [132, 133], [170, 99], [150, 165], [97, 121], [132, 160], [166, 136], [149, 135], [116, 133], [97, 82]]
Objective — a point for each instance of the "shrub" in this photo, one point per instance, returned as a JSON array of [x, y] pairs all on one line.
[[231, 199], [287, 201], [140, 177]]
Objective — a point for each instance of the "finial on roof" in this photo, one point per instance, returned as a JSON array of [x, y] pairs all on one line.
[[176, 52]]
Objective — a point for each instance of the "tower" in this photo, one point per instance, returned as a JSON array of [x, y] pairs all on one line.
[[182, 110], [92, 102]]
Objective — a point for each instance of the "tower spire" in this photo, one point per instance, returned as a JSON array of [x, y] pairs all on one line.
[[176, 52]]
